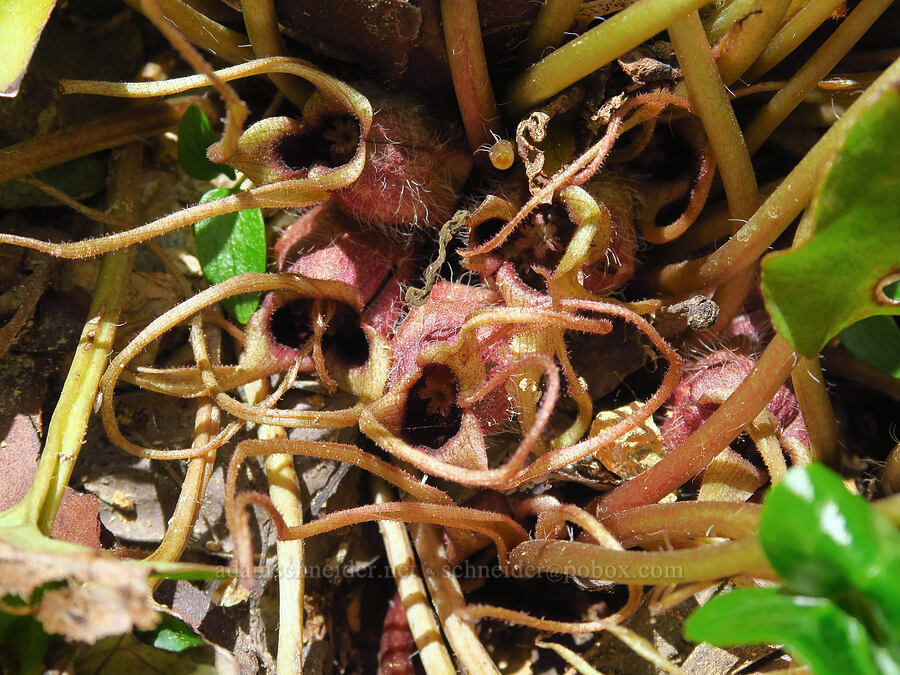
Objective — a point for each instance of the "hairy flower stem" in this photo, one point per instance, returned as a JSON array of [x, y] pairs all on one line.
[[193, 489], [640, 645], [468, 68], [401, 557], [701, 447], [68, 424], [284, 491], [595, 48], [256, 198], [776, 213]]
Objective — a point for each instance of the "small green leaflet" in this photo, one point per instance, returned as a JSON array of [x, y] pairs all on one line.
[[815, 291], [195, 135], [230, 245], [839, 608], [172, 634]]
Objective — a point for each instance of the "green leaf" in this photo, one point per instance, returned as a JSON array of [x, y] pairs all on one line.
[[827, 542], [184, 571], [876, 341], [814, 629], [230, 245], [126, 654], [172, 634], [79, 178], [23, 641], [195, 135], [21, 23], [815, 291]]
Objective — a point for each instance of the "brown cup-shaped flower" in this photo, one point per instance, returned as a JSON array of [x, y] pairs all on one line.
[[321, 151], [430, 378], [584, 238], [404, 169], [282, 148], [325, 245]]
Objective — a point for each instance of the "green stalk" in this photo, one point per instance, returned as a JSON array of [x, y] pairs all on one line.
[[699, 449], [549, 28], [140, 121], [423, 624], [284, 491], [202, 31], [70, 418], [818, 414], [265, 38], [740, 48], [710, 99], [795, 31], [744, 556], [725, 16], [814, 70], [595, 48], [776, 213]]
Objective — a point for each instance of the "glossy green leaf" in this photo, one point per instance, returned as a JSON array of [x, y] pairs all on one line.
[[230, 245], [875, 340], [825, 541], [79, 178], [814, 629], [195, 135], [172, 634], [815, 291], [21, 23]]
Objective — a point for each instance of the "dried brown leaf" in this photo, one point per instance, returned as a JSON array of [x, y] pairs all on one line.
[[103, 596]]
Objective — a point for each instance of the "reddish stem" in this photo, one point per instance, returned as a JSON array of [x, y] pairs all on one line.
[[468, 67], [699, 449]]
